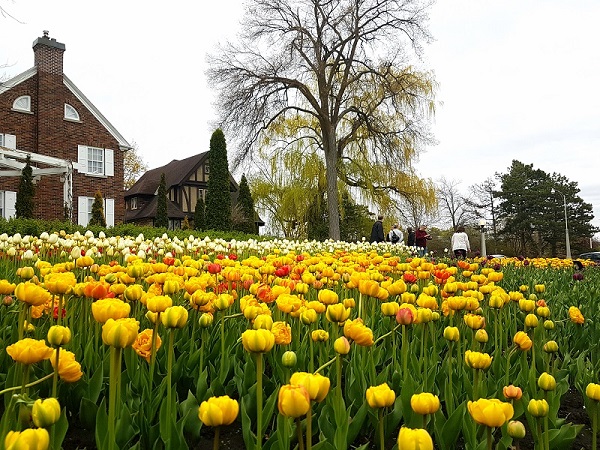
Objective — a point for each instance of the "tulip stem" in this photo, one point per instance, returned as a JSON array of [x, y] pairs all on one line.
[[449, 394], [299, 434], [55, 374], [22, 315], [169, 375], [338, 365], [594, 411], [380, 338], [217, 440], [328, 363], [33, 383], [25, 378], [259, 400], [309, 427], [381, 431], [59, 310], [489, 437], [222, 367], [114, 381]]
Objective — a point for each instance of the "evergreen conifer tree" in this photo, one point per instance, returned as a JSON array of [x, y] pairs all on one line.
[[246, 204], [199, 217], [98, 218], [162, 218], [218, 196], [26, 192]]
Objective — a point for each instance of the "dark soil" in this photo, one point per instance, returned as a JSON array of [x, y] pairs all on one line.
[[572, 409]]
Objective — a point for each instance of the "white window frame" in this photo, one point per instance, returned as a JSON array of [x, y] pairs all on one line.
[[133, 203], [8, 141], [84, 211], [8, 204], [71, 113], [83, 161], [22, 99]]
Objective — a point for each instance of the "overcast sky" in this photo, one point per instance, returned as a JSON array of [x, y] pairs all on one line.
[[517, 80]]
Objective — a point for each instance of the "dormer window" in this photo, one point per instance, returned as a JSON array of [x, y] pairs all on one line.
[[71, 113], [23, 103]]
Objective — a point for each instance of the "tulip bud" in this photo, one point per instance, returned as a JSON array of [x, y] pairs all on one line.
[[174, 317], [31, 438], [516, 429], [7, 300], [59, 335], [451, 334], [512, 392], [289, 359], [538, 408], [205, 320], [341, 345], [531, 321], [45, 412], [548, 325], [293, 401], [592, 391], [551, 347], [481, 336], [263, 321], [319, 336], [546, 382], [381, 396], [404, 316]]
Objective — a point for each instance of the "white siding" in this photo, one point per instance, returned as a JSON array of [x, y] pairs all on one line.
[[109, 163], [109, 212], [10, 141], [10, 202], [82, 163]]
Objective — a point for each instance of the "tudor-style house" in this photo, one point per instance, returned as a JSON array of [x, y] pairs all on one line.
[[186, 181], [74, 150]]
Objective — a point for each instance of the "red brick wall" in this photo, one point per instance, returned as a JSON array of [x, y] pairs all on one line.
[[46, 132]]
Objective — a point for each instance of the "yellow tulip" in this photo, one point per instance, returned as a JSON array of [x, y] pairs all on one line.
[[389, 308], [414, 439], [30, 439], [368, 287], [531, 320], [491, 413], [358, 332], [337, 313], [29, 351], [538, 408], [174, 317], [316, 384], [516, 429], [341, 346], [217, 411], [133, 293], [282, 332], [258, 341], [574, 314], [262, 321], [45, 412], [380, 396], [478, 360], [32, 294], [6, 287], [592, 391], [69, 370], [159, 303], [481, 336], [319, 335], [547, 382], [120, 333], [110, 308], [60, 283], [451, 334], [59, 335], [293, 400], [425, 403], [522, 341], [143, 344], [328, 297], [474, 321]]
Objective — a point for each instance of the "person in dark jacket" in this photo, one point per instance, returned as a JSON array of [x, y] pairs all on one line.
[[421, 238], [377, 234], [410, 240]]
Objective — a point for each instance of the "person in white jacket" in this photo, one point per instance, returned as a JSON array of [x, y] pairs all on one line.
[[460, 243]]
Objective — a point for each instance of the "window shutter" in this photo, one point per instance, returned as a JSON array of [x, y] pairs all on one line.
[[82, 163], [10, 141], [109, 212], [109, 163], [10, 204], [82, 212]]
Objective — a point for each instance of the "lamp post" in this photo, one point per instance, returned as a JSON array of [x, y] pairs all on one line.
[[567, 242], [482, 224]]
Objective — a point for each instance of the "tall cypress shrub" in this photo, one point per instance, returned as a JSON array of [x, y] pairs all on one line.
[[218, 196], [199, 218], [98, 218], [26, 192], [162, 218], [246, 204]]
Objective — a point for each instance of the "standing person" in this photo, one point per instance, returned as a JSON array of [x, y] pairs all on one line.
[[377, 230], [410, 240], [460, 243], [395, 236], [421, 238]]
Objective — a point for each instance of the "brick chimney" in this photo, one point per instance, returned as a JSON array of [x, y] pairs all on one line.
[[48, 55]]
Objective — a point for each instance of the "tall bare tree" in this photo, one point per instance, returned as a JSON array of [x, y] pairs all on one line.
[[453, 205], [339, 66], [134, 166], [482, 202]]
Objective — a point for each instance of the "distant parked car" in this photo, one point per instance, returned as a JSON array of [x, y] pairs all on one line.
[[592, 256], [496, 256]]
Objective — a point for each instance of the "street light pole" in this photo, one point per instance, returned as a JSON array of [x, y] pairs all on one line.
[[567, 241], [482, 223]]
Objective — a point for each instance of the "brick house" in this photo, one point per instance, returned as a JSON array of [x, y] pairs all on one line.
[[74, 149], [186, 181]]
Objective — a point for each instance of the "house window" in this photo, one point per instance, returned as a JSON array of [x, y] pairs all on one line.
[[206, 168], [22, 103], [133, 203], [95, 161], [71, 113], [8, 141], [8, 201], [84, 212], [201, 194]]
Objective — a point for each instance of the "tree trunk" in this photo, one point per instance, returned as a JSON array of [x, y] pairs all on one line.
[[331, 172]]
